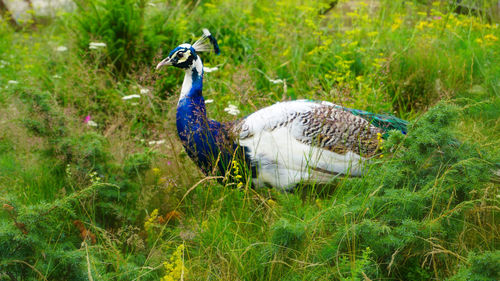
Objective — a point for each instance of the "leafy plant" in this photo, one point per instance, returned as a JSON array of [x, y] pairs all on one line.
[[483, 267], [118, 24]]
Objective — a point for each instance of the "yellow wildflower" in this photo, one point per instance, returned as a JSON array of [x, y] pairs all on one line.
[[257, 21], [175, 268], [272, 203], [353, 32], [318, 203], [150, 221], [286, 52], [379, 62], [210, 5], [379, 137], [204, 225], [421, 25], [353, 14], [396, 24], [238, 177], [490, 37], [310, 24], [380, 140]]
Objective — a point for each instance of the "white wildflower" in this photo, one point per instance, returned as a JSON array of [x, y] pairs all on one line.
[[497, 173], [3, 63], [275, 81], [12, 82], [135, 96], [144, 91], [91, 123], [61, 48], [232, 109], [96, 45], [210, 69], [57, 76], [209, 101], [156, 142]]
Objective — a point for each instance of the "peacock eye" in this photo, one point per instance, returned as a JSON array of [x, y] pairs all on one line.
[[180, 55]]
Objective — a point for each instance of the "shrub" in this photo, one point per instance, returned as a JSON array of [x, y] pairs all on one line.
[[118, 24], [286, 234], [88, 151], [138, 163], [410, 195], [483, 267], [29, 229]]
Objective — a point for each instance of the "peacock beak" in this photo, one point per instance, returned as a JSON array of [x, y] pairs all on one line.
[[164, 62]]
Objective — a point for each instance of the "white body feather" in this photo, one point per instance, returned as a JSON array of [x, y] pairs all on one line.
[[281, 159]]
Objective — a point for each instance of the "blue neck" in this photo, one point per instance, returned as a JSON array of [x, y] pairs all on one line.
[[198, 134], [191, 111]]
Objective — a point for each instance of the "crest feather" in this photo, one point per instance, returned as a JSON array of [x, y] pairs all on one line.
[[206, 43]]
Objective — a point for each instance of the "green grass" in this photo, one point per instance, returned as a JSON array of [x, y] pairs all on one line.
[[428, 209]]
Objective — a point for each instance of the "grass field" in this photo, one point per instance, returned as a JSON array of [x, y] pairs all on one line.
[[82, 158]]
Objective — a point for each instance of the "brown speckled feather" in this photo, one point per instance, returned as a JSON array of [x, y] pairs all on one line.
[[339, 131], [326, 126]]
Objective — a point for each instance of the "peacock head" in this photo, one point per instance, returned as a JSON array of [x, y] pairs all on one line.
[[185, 54]]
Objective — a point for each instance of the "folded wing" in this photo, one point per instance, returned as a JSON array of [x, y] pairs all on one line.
[[301, 140]]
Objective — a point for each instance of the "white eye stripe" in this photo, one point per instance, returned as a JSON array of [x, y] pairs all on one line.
[[175, 54], [185, 57]]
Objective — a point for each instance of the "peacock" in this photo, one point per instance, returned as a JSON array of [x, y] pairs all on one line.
[[280, 145]]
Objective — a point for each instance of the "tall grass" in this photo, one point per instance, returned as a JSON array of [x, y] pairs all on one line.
[[110, 202]]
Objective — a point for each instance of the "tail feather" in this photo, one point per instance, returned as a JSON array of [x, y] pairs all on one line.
[[382, 121]]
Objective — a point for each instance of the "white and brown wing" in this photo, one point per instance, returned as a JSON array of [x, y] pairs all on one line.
[[335, 129], [303, 140]]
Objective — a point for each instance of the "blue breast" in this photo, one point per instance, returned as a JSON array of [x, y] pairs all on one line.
[[204, 140], [207, 142]]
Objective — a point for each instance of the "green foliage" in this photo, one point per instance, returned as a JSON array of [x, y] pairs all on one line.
[[130, 39], [45, 118], [118, 24], [286, 234], [430, 156], [32, 235], [429, 177], [87, 151], [138, 163], [483, 267]]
